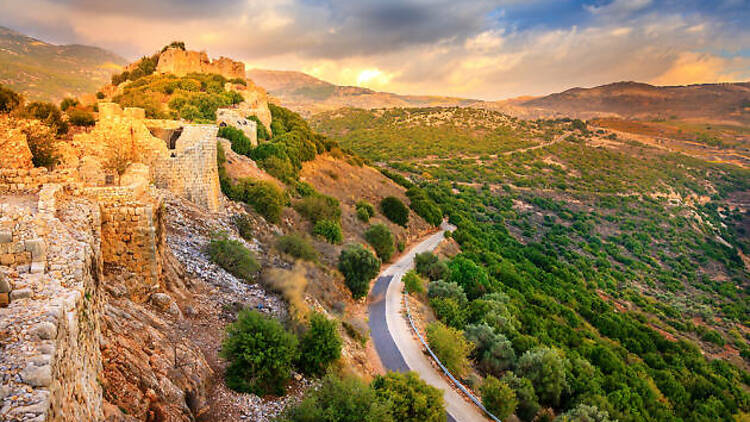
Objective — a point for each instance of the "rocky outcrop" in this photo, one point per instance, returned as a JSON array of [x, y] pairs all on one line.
[[181, 62]]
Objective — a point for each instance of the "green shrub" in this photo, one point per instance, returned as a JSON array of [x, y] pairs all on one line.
[[328, 230], [67, 103], [428, 265], [449, 311], [359, 266], [714, 337], [41, 141], [240, 143], [411, 399], [9, 99], [346, 399], [446, 289], [585, 413], [498, 398], [492, 352], [451, 347], [265, 197], [81, 118], [297, 246], [244, 226], [365, 210], [381, 239], [413, 283], [395, 210], [424, 207], [48, 114], [471, 277], [260, 354], [233, 256], [319, 207], [545, 368], [528, 406], [319, 346], [262, 132], [100, 95]]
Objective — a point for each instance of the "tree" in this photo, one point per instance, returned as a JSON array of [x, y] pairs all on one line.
[[412, 400], [48, 114], [41, 143], [498, 398], [430, 266], [346, 399], [493, 352], [359, 266], [528, 404], [81, 118], [381, 239], [545, 368], [449, 311], [395, 210], [470, 276], [451, 347], [413, 283], [320, 345], [260, 354], [67, 103], [445, 289], [584, 413], [9, 99]]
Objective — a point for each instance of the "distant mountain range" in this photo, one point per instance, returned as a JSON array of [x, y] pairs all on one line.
[[728, 102], [43, 71], [309, 95]]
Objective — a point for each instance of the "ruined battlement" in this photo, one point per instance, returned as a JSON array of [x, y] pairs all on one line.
[[181, 62]]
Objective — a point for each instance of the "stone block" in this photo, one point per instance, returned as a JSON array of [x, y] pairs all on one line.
[[7, 259], [4, 284], [37, 267], [37, 376], [4, 300], [20, 294], [44, 331], [6, 236], [37, 249]]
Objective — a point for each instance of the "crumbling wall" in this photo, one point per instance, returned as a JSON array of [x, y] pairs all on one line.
[[181, 62], [49, 332], [14, 150], [191, 171], [233, 117]]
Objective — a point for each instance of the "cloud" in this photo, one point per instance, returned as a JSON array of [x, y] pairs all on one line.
[[473, 48]]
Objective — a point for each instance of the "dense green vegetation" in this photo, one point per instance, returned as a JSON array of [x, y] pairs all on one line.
[[381, 239], [320, 345], [395, 210], [328, 230], [583, 287]]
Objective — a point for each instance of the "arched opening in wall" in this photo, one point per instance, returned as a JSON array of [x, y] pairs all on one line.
[[169, 136]]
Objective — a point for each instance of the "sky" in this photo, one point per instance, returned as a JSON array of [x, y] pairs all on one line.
[[485, 49]]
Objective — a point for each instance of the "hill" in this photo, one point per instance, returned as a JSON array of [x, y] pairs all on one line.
[[726, 102], [308, 95], [43, 71]]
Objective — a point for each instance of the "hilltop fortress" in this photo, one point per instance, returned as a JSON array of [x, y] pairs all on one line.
[[67, 234]]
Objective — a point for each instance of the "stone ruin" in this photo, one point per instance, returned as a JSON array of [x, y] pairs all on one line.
[[60, 229], [234, 118], [182, 62]]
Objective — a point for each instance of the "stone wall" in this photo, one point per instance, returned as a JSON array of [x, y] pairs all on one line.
[[49, 332], [190, 171], [233, 117], [180, 62], [14, 150]]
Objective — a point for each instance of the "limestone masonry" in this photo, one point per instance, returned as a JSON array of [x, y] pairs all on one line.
[[181, 62]]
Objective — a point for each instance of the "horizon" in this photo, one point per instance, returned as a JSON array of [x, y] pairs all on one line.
[[482, 50]]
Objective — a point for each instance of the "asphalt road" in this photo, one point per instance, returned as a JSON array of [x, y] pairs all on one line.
[[397, 347]]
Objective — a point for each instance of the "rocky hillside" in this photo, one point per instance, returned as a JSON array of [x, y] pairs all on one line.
[[43, 71], [308, 95], [728, 102]]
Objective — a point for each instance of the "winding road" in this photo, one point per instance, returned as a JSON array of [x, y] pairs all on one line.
[[394, 341]]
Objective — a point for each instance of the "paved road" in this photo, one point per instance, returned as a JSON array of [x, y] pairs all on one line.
[[394, 341]]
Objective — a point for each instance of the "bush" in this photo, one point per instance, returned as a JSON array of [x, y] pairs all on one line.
[[260, 354], [328, 230], [428, 265], [359, 266], [412, 400], [319, 207], [395, 210], [498, 397], [493, 352], [365, 210], [81, 118], [471, 277], [41, 143], [262, 132], [545, 368], [234, 257], [427, 210], [381, 239], [451, 347], [585, 413], [240, 143], [528, 406], [446, 289], [67, 103], [449, 311], [9, 99], [265, 197], [297, 246], [100, 95], [344, 399], [320, 345], [48, 114], [244, 226], [413, 283]]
